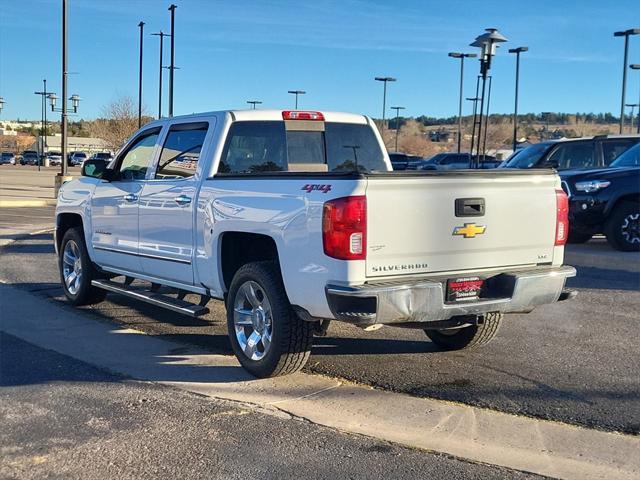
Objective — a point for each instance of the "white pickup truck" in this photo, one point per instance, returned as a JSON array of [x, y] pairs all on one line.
[[295, 218]]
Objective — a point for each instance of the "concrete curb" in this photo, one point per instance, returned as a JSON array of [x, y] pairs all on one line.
[[521, 443]]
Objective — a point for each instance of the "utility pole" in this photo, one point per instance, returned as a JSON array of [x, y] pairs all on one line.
[[63, 127], [172, 9], [626, 34], [160, 34], [141, 25], [296, 93], [517, 51], [397, 109]]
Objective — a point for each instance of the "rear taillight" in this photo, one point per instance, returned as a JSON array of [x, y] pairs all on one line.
[[344, 228], [562, 217]]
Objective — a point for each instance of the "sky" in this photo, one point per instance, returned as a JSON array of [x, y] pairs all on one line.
[[229, 52]]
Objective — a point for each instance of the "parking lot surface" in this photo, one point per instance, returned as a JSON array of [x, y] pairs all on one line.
[[573, 362]]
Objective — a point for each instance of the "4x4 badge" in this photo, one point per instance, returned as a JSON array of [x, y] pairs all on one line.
[[320, 188]]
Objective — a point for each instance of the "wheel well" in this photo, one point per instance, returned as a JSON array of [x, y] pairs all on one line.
[[631, 197], [239, 248], [64, 222]]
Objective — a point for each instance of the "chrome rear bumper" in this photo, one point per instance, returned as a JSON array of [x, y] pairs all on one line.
[[423, 301]]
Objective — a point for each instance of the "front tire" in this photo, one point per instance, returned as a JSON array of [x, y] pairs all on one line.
[[77, 271], [470, 337], [266, 335], [623, 227]]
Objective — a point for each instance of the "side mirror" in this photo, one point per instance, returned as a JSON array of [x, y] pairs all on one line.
[[95, 169]]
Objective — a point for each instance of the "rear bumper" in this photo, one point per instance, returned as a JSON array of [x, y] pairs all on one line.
[[423, 301]]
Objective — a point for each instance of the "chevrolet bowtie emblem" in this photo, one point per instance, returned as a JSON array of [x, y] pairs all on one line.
[[470, 230]]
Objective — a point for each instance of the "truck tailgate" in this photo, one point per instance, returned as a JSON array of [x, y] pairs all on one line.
[[413, 226]]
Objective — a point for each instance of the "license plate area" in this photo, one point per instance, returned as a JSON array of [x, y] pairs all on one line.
[[464, 289]]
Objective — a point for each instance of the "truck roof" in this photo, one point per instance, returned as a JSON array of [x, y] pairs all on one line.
[[268, 115]]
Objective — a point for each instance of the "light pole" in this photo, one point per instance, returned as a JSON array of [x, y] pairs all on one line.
[[487, 43], [296, 93], [44, 94], [461, 56], [397, 109], [517, 51], [160, 34], [474, 100], [141, 25], [626, 34], [384, 80], [172, 9], [633, 106], [75, 102], [636, 66], [254, 103]]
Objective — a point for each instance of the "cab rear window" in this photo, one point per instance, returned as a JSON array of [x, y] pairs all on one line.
[[269, 146]]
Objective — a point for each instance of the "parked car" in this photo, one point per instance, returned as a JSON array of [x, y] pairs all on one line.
[[606, 200], [456, 161], [104, 156], [30, 157], [77, 158], [7, 158], [295, 219], [574, 153], [404, 161], [55, 159]]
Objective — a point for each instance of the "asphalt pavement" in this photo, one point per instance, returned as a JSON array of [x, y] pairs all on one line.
[[62, 418], [574, 362]]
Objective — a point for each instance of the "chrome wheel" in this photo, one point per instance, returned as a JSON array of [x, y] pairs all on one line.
[[253, 320], [72, 267], [631, 228]]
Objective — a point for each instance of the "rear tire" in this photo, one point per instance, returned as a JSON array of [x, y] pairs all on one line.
[[467, 337], [77, 270], [623, 227], [266, 335]]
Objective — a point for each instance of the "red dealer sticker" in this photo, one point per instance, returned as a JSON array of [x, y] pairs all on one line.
[[467, 288]]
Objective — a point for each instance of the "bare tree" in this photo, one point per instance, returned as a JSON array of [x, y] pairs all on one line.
[[118, 122]]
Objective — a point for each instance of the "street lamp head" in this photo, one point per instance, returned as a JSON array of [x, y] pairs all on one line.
[[141, 24], [75, 101], [398, 108], [635, 66], [487, 42], [456, 55], [53, 98], [519, 50], [385, 79], [296, 92], [626, 33]]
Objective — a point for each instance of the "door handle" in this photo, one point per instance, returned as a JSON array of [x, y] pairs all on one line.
[[131, 197], [182, 200]]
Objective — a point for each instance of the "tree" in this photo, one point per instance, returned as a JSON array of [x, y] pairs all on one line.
[[118, 122]]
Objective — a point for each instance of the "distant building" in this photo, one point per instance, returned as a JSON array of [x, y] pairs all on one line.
[[53, 143], [5, 131]]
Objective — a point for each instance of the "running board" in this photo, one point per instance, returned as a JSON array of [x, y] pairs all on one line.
[[157, 299]]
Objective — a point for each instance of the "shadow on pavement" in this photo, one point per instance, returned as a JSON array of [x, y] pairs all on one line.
[[605, 279]]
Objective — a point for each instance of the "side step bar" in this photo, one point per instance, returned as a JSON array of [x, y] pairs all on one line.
[[157, 299]]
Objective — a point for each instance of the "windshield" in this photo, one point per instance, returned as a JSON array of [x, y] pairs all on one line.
[[630, 158], [528, 157]]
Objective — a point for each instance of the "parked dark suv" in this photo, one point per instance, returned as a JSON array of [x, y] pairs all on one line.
[[606, 200], [404, 161], [456, 161], [593, 152]]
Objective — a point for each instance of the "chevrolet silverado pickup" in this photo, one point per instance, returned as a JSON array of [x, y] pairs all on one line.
[[294, 219]]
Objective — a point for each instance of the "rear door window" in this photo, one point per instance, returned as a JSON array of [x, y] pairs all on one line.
[[611, 149], [181, 150], [352, 147], [574, 155]]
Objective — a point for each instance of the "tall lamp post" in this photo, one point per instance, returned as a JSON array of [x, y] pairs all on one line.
[[160, 34], [384, 80], [296, 93], [636, 66], [172, 9], [254, 103], [633, 106], [44, 94], [141, 26], [626, 34], [461, 56], [397, 109], [517, 51], [487, 43]]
